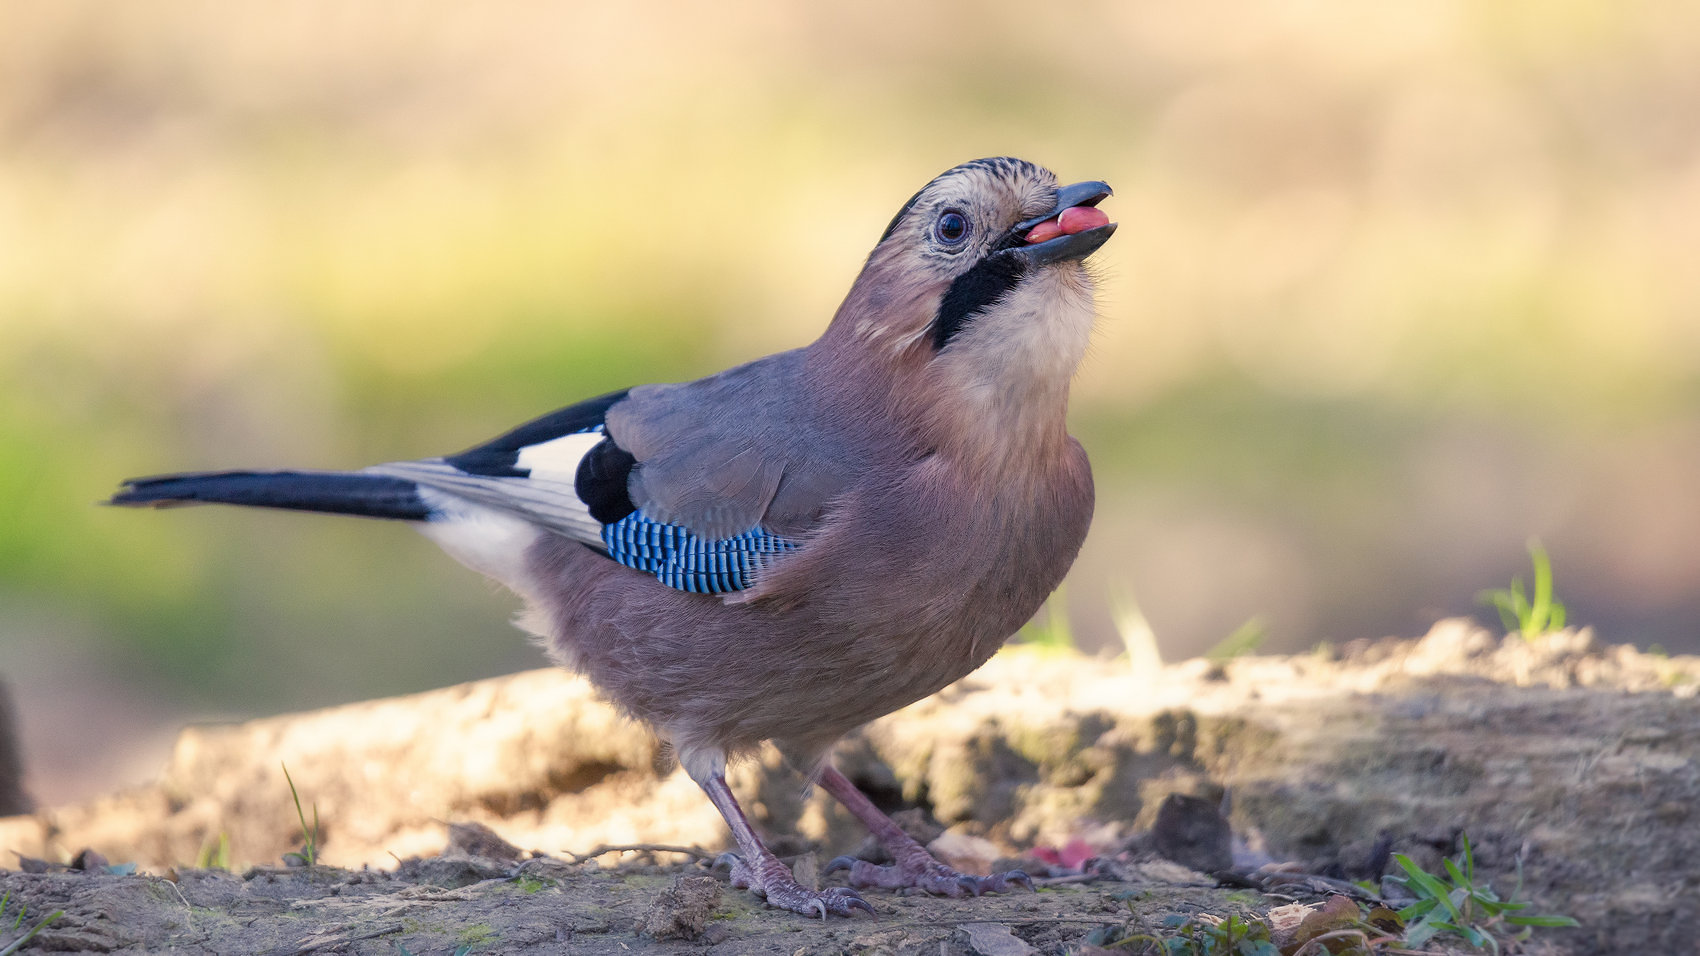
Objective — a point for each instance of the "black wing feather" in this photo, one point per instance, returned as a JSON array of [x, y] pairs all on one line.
[[497, 458]]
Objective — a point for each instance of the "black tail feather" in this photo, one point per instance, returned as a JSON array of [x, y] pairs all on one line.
[[346, 493]]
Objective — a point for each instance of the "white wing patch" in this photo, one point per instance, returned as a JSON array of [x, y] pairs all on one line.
[[547, 497], [558, 457]]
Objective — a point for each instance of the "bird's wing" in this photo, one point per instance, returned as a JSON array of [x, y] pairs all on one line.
[[679, 481], [735, 450]]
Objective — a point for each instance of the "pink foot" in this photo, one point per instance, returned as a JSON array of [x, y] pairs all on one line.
[[914, 866], [766, 876], [774, 883]]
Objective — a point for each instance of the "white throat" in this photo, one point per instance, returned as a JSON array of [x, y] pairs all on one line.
[[1004, 379]]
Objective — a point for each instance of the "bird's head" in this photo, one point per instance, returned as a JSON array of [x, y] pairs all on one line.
[[978, 287]]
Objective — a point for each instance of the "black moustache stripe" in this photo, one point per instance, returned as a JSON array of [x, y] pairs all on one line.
[[974, 292]]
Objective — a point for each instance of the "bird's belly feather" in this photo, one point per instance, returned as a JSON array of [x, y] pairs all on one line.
[[930, 596]]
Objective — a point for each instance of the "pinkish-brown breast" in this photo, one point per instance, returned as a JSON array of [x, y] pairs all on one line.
[[914, 581]]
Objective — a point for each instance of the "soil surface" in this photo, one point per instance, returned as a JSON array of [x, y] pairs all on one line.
[[439, 908], [1575, 763]]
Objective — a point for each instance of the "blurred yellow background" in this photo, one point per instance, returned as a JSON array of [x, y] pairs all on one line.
[[1396, 287]]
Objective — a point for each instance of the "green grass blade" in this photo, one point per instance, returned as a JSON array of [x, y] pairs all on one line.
[[1547, 920], [1540, 610], [1246, 639], [1416, 934], [310, 838], [1056, 633], [1425, 884], [1454, 874], [18, 943]]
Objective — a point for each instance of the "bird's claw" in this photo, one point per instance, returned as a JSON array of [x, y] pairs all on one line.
[[737, 872], [781, 890], [997, 882], [854, 900], [838, 863], [833, 901]]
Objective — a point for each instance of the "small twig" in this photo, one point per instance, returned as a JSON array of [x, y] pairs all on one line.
[[305, 947], [1071, 878], [188, 911], [1047, 919], [1317, 884], [934, 924], [532, 863], [606, 848]]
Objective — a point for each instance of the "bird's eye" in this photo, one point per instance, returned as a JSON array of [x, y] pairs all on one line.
[[952, 227]]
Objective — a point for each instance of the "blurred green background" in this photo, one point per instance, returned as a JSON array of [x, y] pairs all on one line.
[[1396, 287]]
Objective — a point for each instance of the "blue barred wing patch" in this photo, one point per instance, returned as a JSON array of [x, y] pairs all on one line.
[[673, 555], [685, 562]]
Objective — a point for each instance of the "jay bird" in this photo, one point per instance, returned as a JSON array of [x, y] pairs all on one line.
[[791, 548]]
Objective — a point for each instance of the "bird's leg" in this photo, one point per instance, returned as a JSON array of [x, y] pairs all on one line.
[[757, 869], [913, 865]]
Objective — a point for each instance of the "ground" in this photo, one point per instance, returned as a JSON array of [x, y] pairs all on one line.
[[1570, 762], [572, 910]]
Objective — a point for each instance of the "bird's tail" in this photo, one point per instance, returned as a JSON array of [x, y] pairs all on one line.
[[332, 492]]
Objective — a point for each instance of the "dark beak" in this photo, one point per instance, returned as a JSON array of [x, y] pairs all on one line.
[[1063, 248], [1079, 194]]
